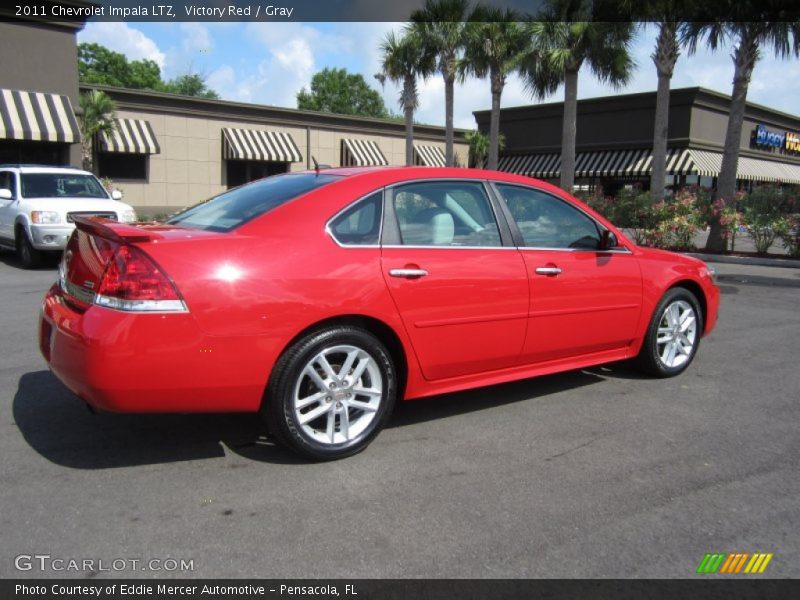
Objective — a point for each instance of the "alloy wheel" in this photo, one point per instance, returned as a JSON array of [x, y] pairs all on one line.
[[677, 334], [338, 394]]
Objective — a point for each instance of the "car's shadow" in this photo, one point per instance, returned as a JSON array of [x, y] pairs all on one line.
[[60, 428]]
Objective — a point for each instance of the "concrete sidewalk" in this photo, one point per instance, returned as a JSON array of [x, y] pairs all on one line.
[[745, 244], [761, 261]]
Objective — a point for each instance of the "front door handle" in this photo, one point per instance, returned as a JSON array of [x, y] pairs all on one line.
[[549, 271], [408, 273]]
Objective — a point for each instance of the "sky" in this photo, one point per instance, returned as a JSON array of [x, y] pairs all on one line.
[[268, 63]]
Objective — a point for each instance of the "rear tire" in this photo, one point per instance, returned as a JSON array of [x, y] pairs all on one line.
[[28, 256], [331, 393], [673, 335]]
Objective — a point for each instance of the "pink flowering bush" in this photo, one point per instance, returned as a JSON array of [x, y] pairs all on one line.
[[676, 222]]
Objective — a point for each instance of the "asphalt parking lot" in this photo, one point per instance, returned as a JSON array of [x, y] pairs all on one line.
[[598, 473]]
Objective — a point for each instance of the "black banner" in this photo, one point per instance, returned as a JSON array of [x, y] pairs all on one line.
[[277, 11], [398, 589]]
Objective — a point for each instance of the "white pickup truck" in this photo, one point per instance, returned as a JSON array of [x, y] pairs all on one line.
[[38, 204]]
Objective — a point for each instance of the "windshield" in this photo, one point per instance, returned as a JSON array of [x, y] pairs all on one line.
[[58, 185], [244, 203]]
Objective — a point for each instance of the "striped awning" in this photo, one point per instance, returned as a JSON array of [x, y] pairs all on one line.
[[37, 116], [705, 164], [130, 136], [255, 144], [532, 165], [613, 163], [428, 156], [638, 163], [709, 164], [604, 163], [362, 153]]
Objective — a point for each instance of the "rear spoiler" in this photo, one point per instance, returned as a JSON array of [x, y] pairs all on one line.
[[114, 231]]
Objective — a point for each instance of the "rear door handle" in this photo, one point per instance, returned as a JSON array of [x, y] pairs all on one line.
[[408, 273], [548, 270]]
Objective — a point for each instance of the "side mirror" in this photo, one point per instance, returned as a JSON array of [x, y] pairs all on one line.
[[116, 195], [608, 241], [5, 194]]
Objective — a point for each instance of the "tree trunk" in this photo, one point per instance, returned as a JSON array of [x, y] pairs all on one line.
[[408, 110], [86, 151], [449, 81], [569, 127], [494, 120], [744, 59], [665, 56]]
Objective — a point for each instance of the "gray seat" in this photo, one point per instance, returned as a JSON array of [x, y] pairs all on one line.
[[431, 227]]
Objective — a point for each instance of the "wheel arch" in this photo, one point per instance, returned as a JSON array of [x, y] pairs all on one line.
[[21, 223], [698, 292], [376, 327]]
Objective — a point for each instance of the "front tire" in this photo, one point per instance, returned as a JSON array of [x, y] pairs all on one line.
[[673, 335], [331, 393], [28, 256]]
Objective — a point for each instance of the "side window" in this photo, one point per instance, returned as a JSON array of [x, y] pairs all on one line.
[[446, 213], [360, 225], [549, 222], [8, 182]]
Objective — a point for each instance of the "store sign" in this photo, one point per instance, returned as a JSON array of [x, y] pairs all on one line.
[[792, 142], [787, 141]]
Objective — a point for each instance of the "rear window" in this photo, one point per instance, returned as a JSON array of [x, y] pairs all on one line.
[[242, 204], [61, 185]]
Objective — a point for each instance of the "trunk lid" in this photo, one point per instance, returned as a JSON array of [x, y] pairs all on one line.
[[94, 244]]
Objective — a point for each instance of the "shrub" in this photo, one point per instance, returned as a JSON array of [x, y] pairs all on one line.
[[767, 211], [791, 236], [676, 222]]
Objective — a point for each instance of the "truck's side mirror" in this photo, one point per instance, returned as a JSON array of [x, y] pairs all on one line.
[[5, 194], [116, 195]]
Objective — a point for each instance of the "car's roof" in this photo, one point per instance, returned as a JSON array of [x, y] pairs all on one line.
[[393, 175], [414, 172], [45, 169]]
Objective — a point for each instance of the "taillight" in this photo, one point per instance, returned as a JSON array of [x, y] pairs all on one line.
[[133, 282]]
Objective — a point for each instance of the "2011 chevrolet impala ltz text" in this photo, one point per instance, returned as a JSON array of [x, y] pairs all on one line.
[[319, 298]]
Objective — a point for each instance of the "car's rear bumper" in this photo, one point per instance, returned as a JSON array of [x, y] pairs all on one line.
[[124, 362]]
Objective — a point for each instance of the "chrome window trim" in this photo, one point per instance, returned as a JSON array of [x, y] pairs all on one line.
[[398, 246], [621, 250], [364, 198]]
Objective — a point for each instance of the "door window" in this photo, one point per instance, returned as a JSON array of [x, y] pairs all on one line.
[[445, 213], [545, 221]]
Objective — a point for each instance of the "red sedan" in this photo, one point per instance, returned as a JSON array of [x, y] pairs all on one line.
[[318, 298]]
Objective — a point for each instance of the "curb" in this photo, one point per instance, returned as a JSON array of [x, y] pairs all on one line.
[[755, 261]]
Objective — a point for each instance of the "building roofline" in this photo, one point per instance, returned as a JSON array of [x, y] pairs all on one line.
[[238, 109], [695, 92]]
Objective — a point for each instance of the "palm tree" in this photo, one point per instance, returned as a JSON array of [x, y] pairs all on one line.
[[668, 16], [404, 60], [441, 26], [749, 37], [479, 147], [98, 114], [562, 42], [664, 58], [495, 42]]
